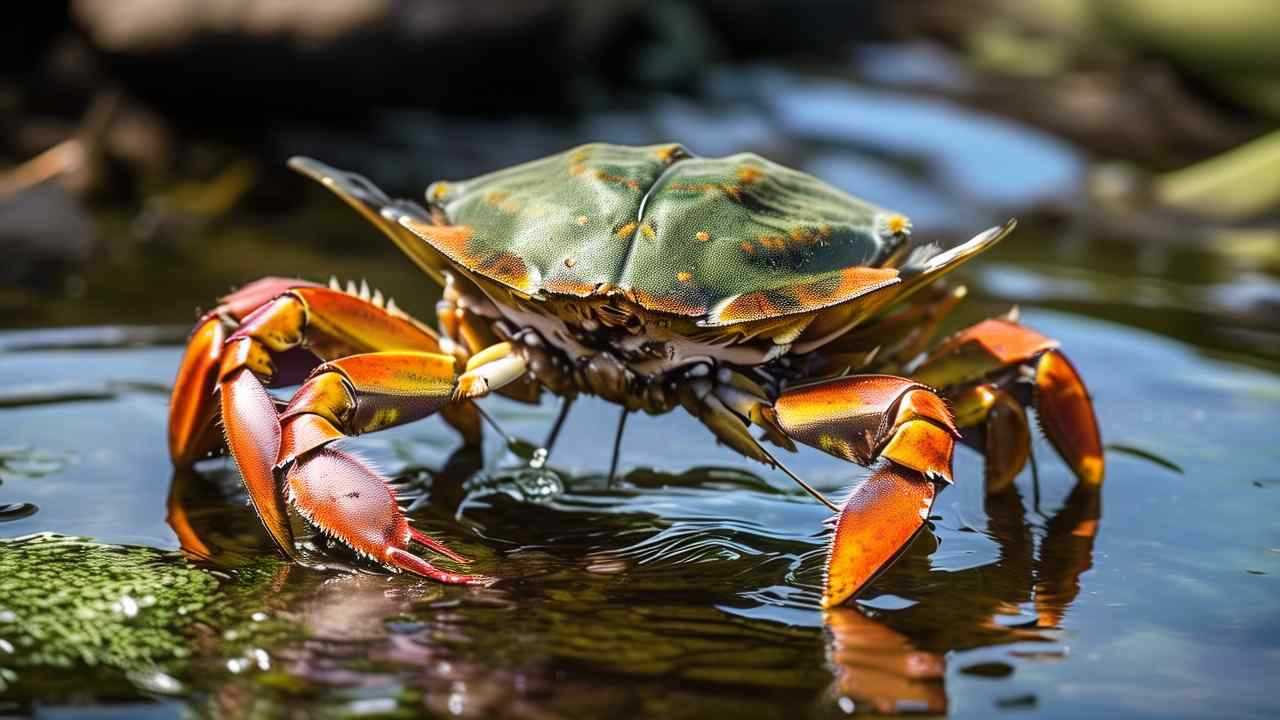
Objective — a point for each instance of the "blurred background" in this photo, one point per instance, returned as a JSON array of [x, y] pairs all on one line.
[[142, 142]]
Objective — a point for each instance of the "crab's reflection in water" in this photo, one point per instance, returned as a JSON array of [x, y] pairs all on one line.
[[610, 594]]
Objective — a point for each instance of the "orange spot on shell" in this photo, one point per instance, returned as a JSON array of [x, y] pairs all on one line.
[[776, 243], [582, 220], [814, 295], [747, 247], [684, 276], [626, 231], [508, 268], [604, 176], [703, 236], [681, 302], [450, 239], [647, 230], [749, 175], [569, 286], [670, 154]]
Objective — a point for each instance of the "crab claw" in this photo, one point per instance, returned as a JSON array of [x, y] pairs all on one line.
[[874, 526], [253, 436], [349, 501], [1066, 415]]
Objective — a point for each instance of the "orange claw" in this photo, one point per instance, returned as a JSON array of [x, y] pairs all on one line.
[[192, 432], [253, 434], [349, 501], [1066, 414], [877, 522]]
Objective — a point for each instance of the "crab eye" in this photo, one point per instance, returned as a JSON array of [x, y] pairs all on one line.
[[893, 225]]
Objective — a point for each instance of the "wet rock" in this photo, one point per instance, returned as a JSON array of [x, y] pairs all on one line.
[[44, 233]]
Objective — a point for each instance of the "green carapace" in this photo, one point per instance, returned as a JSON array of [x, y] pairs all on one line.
[[721, 239]]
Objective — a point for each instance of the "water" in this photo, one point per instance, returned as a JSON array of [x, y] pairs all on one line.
[[689, 587]]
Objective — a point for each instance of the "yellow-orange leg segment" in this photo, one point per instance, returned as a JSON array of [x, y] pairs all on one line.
[[987, 365], [865, 419]]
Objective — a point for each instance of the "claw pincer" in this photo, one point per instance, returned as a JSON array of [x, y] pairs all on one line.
[[865, 419]]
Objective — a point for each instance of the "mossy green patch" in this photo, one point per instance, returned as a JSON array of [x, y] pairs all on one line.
[[69, 603]]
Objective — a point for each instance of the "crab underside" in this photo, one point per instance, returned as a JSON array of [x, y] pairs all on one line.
[[835, 360]]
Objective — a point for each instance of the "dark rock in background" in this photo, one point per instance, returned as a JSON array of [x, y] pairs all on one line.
[[44, 233]]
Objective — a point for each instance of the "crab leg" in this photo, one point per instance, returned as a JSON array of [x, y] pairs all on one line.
[[1005, 435], [327, 323], [379, 209], [466, 328], [986, 362], [336, 491], [193, 431], [890, 340], [862, 419], [865, 419]]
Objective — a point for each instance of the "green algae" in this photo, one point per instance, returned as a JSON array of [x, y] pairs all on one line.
[[68, 601], [126, 621]]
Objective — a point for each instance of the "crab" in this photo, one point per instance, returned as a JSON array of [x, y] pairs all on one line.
[[771, 306]]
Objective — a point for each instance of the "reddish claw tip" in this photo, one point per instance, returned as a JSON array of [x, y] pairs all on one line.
[[877, 522], [416, 565], [436, 546], [350, 501]]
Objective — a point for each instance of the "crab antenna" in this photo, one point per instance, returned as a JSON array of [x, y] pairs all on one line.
[[806, 486], [617, 445]]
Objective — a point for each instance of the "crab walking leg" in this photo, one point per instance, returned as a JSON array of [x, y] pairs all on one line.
[[465, 319], [998, 353], [193, 409], [1004, 435], [490, 370], [327, 323], [864, 419]]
